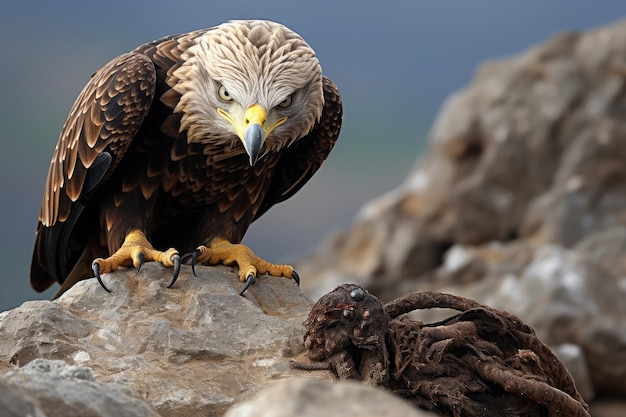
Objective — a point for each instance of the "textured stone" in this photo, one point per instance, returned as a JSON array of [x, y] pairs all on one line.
[[562, 293], [309, 397], [15, 401], [53, 388], [191, 350], [518, 202], [609, 408], [533, 148]]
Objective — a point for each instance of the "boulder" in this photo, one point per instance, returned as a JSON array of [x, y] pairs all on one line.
[[196, 349], [518, 202], [47, 388], [191, 350], [311, 397], [533, 149], [562, 293]]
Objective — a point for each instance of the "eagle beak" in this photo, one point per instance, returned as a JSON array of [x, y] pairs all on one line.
[[254, 131], [253, 139]]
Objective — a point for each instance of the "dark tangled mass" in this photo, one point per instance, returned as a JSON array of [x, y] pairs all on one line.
[[480, 362]]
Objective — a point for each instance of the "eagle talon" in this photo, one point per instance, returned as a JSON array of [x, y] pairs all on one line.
[[194, 259], [250, 280], [295, 277], [176, 259], [140, 261], [95, 266]]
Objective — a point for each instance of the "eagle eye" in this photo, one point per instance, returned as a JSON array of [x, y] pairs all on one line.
[[224, 94], [286, 102]]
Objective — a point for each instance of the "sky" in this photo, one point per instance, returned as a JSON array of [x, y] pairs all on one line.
[[395, 63]]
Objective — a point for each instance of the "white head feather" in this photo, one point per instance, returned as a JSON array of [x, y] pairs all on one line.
[[258, 62]]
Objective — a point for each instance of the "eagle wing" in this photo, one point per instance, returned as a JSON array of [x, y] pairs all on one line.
[[301, 160], [101, 125]]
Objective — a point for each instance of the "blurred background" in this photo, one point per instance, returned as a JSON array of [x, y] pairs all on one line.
[[395, 62]]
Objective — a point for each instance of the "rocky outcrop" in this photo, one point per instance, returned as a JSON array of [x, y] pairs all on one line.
[[310, 397], [533, 149], [563, 293], [519, 202], [47, 388], [192, 350]]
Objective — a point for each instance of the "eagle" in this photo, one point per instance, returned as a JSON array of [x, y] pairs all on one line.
[[177, 147]]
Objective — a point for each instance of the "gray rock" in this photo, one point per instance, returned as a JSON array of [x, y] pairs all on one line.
[[562, 293], [533, 148], [16, 401], [309, 397], [53, 388], [608, 408], [564, 296], [192, 350], [518, 202]]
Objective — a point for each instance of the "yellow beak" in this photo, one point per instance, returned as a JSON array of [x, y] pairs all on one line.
[[252, 129]]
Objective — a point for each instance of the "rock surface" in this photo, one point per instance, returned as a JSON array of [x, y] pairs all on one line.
[[562, 293], [309, 397], [519, 202], [532, 149], [192, 350], [47, 388]]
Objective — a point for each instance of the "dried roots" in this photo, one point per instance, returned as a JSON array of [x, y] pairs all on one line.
[[481, 362]]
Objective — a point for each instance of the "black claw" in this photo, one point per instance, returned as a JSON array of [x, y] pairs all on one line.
[[176, 260], [194, 258], [141, 258], [295, 277], [249, 281], [96, 270]]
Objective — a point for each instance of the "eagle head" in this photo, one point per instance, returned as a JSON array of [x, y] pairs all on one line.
[[256, 82]]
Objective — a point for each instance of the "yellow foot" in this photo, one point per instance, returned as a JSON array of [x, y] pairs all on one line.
[[224, 252], [135, 251]]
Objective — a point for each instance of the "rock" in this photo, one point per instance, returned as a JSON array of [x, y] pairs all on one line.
[[191, 350], [532, 149], [562, 293], [53, 388], [566, 295], [609, 408], [16, 402], [310, 397], [518, 202]]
